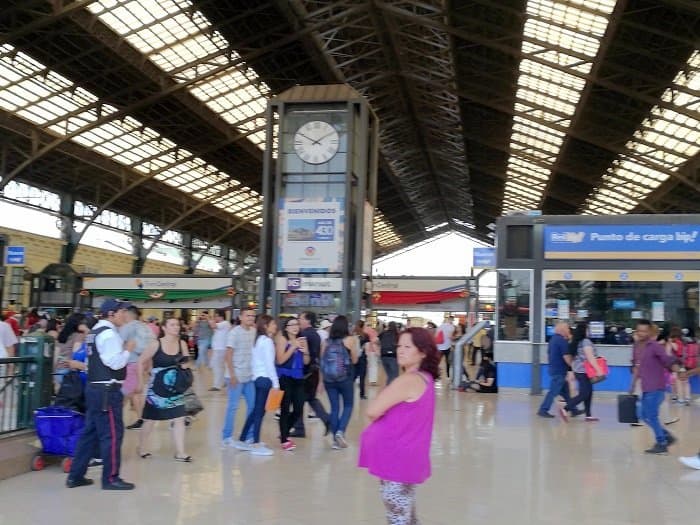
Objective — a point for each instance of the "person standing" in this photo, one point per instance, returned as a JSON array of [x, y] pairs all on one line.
[[584, 351], [395, 447], [221, 328], [338, 356], [387, 348], [653, 363], [203, 333], [239, 355], [291, 355], [104, 427], [170, 352], [443, 337], [364, 345], [312, 376], [265, 378], [559, 363], [137, 331]]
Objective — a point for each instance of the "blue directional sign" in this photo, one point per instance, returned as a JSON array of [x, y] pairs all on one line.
[[484, 258], [14, 256]]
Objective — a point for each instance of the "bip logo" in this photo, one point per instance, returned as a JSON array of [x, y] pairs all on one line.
[[293, 283], [568, 237], [310, 251]]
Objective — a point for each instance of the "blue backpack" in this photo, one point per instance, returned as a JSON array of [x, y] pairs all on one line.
[[335, 362]]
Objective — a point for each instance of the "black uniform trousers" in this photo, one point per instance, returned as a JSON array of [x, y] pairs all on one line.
[[310, 388], [104, 430]]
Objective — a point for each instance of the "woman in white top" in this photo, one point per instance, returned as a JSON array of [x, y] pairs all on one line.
[[265, 378]]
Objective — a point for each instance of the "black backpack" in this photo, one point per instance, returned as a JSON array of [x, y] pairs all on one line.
[[71, 393], [172, 381], [387, 344]]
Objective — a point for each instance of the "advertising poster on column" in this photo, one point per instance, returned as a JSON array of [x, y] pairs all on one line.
[[311, 235]]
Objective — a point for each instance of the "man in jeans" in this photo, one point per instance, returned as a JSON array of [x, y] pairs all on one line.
[[239, 375], [203, 333], [559, 363], [652, 366], [307, 322]]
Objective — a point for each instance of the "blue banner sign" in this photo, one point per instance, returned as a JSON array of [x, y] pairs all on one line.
[[624, 241], [484, 258], [14, 256], [624, 304]]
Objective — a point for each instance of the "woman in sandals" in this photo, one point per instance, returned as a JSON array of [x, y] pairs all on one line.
[[169, 351]]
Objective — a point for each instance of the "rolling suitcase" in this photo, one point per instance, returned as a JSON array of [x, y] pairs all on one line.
[[627, 408]]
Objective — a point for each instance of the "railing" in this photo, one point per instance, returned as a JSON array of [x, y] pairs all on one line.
[[20, 392]]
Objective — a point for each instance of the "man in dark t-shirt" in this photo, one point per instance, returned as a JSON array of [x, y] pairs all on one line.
[[307, 321]]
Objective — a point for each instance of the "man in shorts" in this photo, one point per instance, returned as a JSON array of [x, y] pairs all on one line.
[[137, 331]]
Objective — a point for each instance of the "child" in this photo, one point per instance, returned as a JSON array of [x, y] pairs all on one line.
[[395, 447]]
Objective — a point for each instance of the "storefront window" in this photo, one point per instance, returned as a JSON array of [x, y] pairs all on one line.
[[514, 305], [613, 307]]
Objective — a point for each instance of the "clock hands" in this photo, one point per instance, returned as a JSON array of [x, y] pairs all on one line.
[[318, 141]]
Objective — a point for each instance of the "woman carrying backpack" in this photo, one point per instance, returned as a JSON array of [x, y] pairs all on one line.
[[169, 352], [338, 355]]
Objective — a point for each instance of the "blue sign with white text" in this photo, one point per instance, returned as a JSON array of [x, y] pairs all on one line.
[[14, 255], [624, 304], [484, 258], [624, 241]]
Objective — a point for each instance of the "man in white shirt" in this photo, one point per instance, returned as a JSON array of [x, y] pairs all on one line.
[[104, 426], [447, 329], [221, 329], [239, 373], [8, 340]]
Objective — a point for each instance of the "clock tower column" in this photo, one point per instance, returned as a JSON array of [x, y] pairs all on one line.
[[320, 191]]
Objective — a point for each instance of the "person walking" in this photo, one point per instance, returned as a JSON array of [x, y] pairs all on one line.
[[312, 376], [104, 427], [395, 447], [291, 355], [443, 338], [137, 331], [559, 364], [239, 371], [338, 356], [265, 378], [361, 366], [221, 328], [584, 351], [654, 361], [388, 339], [203, 333], [170, 351]]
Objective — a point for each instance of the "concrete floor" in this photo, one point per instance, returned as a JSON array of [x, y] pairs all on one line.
[[494, 462]]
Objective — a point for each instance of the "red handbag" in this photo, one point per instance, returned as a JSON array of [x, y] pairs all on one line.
[[602, 364]]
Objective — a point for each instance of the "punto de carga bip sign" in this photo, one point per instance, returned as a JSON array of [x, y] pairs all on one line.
[[624, 241]]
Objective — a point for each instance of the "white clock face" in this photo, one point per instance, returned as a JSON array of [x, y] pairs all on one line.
[[316, 142]]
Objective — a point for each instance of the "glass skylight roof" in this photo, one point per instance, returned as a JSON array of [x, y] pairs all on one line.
[[665, 141], [181, 41], [566, 34], [54, 103]]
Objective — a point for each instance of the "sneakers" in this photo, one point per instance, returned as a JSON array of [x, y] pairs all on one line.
[[259, 449], [277, 416], [670, 439], [214, 389], [288, 445], [691, 461], [592, 418], [340, 440], [136, 425], [545, 415], [659, 450], [672, 421], [228, 442], [243, 445], [95, 462]]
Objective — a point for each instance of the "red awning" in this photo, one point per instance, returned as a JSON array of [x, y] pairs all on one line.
[[415, 297]]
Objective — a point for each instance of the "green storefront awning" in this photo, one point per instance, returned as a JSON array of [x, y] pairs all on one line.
[[162, 295]]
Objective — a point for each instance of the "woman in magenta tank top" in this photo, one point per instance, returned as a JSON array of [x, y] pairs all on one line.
[[395, 447]]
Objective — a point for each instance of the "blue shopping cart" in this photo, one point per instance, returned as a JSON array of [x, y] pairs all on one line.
[[59, 429]]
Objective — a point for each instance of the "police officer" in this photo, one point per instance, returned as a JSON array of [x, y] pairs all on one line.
[[104, 427]]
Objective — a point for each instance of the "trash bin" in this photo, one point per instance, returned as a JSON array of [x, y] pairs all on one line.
[[38, 375]]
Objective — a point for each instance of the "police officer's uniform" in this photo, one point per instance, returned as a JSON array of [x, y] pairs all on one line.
[[104, 427]]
